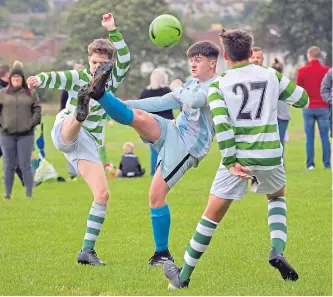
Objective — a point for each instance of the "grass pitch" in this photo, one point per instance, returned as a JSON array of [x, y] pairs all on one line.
[[40, 238]]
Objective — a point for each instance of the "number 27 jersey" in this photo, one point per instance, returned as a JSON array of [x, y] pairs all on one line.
[[243, 102]]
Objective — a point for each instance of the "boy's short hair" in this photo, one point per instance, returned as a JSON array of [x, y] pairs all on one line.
[[4, 68], [314, 52], [257, 49], [128, 147], [237, 44], [101, 47], [204, 48]]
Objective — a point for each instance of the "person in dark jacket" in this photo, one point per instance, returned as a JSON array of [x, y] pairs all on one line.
[[157, 88], [4, 79], [20, 112], [4, 75], [129, 165]]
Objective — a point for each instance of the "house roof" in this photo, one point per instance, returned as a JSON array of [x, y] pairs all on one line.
[[49, 47], [14, 50]]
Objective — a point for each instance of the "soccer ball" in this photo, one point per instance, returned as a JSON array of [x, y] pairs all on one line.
[[165, 31]]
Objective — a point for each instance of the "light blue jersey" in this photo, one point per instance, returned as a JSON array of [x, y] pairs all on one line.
[[194, 123]]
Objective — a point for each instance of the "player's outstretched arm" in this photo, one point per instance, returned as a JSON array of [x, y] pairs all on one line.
[[154, 104], [291, 93], [223, 128], [61, 80], [122, 57], [195, 98]]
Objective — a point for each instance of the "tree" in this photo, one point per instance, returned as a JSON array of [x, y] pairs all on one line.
[[16, 6], [205, 21], [38, 5], [19, 6], [133, 18], [301, 24], [4, 18], [36, 25], [52, 23]]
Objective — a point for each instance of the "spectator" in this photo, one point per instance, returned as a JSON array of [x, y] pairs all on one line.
[[4, 75], [4, 79], [310, 77], [20, 112], [257, 57], [283, 112], [129, 165], [63, 101], [157, 88], [326, 94]]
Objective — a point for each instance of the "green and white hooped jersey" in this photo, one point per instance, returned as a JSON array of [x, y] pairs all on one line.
[[243, 102], [73, 80]]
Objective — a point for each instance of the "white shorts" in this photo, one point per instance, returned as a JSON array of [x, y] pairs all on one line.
[[228, 186], [83, 148]]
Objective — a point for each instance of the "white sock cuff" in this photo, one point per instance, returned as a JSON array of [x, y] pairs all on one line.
[[209, 220]]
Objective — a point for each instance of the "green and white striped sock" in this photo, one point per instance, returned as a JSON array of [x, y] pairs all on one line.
[[198, 245], [277, 221], [94, 224]]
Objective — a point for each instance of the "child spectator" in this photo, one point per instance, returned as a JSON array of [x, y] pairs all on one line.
[[129, 165]]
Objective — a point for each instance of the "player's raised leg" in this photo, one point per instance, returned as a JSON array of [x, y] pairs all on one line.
[[114, 107], [143, 122], [277, 221], [72, 124]]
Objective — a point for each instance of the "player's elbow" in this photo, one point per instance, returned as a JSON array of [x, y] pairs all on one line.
[[302, 104]]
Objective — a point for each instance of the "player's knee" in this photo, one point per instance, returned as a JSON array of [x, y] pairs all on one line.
[[156, 200], [102, 196], [277, 194], [139, 119], [139, 116]]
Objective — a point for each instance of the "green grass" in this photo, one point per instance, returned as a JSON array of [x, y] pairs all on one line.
[[40, 238]]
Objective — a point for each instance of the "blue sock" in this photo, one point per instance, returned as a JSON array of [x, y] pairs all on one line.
[[116, 109], [160, 219]]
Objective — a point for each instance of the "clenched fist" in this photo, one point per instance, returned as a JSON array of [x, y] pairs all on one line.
[[108, 22], [32, 82]]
